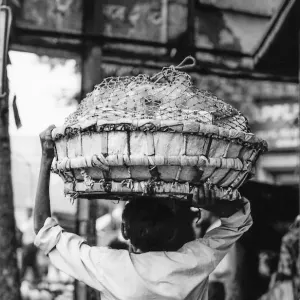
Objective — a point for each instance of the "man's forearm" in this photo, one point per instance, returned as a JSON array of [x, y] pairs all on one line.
[[220, 239], [42, 201]]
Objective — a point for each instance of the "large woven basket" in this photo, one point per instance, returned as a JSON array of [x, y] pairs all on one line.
[[156, 136]]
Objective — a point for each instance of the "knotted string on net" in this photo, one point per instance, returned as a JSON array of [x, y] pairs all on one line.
[[167, 95]]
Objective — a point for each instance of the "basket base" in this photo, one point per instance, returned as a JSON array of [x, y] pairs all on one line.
[[198, 196]]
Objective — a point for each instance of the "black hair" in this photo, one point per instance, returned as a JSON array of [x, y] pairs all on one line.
[[151, 225]]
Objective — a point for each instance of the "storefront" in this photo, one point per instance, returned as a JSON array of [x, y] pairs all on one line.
[[278, 53], [275, 120]]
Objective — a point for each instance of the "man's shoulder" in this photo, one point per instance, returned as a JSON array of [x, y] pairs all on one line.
[[106, 251]]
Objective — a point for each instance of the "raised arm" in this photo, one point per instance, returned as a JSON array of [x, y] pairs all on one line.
[[70, 253], [42, 201], [220, 239], [216, 243], [67, 251]]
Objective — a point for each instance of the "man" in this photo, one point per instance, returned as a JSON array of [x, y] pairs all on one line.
[[162, 262]]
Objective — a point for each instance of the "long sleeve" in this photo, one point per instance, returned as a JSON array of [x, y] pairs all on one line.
[[217, 242], [70, 253], [220, 239]]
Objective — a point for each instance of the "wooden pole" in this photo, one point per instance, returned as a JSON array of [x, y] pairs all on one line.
[[298, 259], [9, 273], [299, 126]]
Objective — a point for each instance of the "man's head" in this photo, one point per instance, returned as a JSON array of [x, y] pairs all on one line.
[[151, 225]]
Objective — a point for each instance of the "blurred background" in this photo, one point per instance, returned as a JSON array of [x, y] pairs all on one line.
[[247, 55]]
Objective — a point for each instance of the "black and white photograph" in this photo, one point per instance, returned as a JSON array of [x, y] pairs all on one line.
[[149, 150]]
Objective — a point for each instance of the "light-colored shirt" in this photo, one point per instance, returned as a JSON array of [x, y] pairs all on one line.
[[119, 274], [225, 265]]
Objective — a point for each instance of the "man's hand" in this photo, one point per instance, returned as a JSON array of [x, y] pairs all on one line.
[[47, 143], [225, 208]]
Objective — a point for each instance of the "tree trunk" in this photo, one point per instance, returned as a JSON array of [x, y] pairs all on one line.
[[9, 274]]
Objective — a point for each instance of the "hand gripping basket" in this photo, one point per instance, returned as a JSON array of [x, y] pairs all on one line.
[[158, 136]]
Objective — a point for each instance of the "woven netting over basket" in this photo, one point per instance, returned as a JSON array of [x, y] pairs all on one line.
[[157, 136]]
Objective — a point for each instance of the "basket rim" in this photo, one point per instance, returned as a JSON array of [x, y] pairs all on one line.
[[150, 125], [104, 163]]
